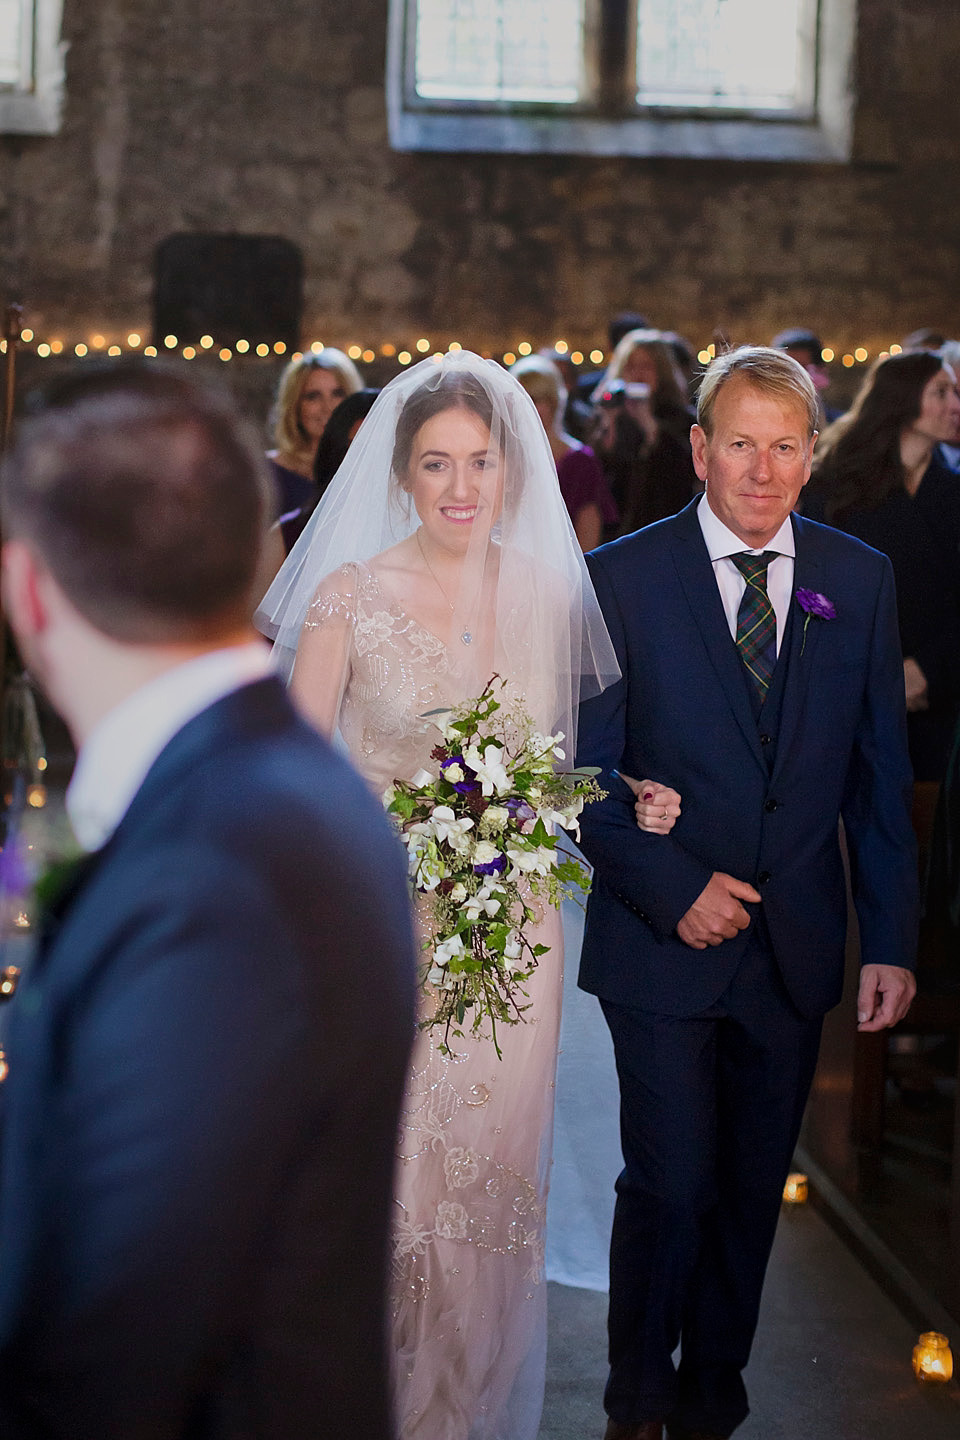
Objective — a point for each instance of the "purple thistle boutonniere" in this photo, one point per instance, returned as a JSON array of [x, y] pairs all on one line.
[[816, 606]]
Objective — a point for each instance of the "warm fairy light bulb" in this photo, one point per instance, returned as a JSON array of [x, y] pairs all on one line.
[[42, 763], [98, 341], [150, 351], [524, 347], [189, 353], [261, 349], [37, 796], [354, 352], [896, 349], [206, 341], [390, 350], [577, 357], [26, 336], [455, 347], [279, 348], [114, 351], [133, 340], [703, 356], [404, 357], [860, 354], [80, 349], [509, 358], [317, 347], [826, 354], [848, 361], [423, 345], [596, 356], [369, 356], [43, 351], [171, 342], [56, 347], [243, 346], [561, 347], [226, 354]]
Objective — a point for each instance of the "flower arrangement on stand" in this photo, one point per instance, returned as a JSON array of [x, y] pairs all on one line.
[[481, 848]]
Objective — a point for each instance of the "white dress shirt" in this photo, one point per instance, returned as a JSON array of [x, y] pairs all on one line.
[[722, 543], [113, 763]]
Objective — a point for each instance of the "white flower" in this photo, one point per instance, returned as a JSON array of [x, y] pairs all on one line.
[[453, 773], [488, 768], [459, 893], [460, 1167], [483, 903], [388, 796], [448, 950], [447, 827], [538, 861], [422, 779], [513, 952], [494, 818], [451, 1220], [483, 852]]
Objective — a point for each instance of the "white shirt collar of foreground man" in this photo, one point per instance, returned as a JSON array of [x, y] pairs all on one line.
[[114, 762], [721, 543]]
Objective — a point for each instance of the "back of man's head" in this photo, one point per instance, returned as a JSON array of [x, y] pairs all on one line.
[[144, 497]]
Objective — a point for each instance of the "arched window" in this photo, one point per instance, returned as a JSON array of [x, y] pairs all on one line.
[[742, 78], [31, 66]]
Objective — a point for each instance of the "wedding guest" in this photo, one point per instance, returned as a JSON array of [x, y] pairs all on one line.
[[762, 679], [950, 355], [207, 1055], [339, 434], [308, 392], [583, 484], [642, 430], [877, 475], [805, 347]]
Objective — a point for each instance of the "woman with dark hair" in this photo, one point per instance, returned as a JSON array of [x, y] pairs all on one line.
[[642, 430], [877, 475]]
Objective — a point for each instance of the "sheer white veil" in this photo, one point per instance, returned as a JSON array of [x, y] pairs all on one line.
[[550, 639]]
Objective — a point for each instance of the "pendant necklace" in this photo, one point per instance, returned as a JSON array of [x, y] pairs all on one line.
[[465, 638]]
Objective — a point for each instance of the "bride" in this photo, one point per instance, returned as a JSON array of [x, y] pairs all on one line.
[[442, 555]]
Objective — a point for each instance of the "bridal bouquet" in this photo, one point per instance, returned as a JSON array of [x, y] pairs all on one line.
[[478, 831]]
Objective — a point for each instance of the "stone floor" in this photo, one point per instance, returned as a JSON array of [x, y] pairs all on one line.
[[831, 1361]]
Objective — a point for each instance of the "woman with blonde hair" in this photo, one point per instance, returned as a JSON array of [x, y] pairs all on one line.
[[583, 484], [308, 392]]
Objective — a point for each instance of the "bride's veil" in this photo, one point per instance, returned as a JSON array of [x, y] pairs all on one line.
[[550, 639]]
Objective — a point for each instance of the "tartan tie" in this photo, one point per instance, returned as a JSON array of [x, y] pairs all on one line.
[[756, 621]]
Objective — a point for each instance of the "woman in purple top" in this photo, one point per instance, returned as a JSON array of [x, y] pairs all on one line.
[[583, 484]]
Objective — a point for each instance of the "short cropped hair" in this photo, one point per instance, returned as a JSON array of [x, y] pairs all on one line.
[[147, 500], [772, 372]]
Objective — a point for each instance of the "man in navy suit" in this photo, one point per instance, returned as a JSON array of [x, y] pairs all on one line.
[[208, 1053], [717, 949]]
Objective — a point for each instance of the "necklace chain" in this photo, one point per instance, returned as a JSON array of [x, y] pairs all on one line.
[[466, 638]]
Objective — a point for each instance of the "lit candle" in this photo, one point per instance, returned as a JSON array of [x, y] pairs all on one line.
[[933, 1358], [796, 1190]]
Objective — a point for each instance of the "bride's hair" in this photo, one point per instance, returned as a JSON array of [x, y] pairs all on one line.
[[453, 392]]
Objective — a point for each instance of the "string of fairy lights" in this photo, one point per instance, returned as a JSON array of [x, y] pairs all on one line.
[[134, 342]]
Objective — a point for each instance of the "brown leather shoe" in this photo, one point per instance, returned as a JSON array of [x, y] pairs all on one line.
[[639, 1430]]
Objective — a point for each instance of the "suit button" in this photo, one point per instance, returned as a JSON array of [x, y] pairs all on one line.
[[771, 805], [764, 877], [765, 738]]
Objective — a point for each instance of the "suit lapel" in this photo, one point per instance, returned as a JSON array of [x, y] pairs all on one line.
[[808, 573], [703, 596]]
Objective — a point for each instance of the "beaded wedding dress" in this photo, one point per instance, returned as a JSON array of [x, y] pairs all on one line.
[[469, 1297]]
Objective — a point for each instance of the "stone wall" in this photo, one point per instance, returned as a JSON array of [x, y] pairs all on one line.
[[270, 118]]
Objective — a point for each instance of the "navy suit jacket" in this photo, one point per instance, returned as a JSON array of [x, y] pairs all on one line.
[[206, 1067], [682, 715]]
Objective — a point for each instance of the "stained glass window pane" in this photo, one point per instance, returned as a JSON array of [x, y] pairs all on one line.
[[512, 50], [726, 54]]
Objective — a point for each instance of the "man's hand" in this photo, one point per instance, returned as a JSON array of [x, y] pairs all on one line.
[[717, 915], [885, 996], [657, 806], [915, 684]]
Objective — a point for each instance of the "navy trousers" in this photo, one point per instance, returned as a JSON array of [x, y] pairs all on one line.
[[710, 1111]]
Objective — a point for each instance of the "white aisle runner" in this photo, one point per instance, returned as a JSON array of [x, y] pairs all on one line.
[[586, 1144]]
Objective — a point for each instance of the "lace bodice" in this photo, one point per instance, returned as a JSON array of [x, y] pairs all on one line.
[[397, 671]]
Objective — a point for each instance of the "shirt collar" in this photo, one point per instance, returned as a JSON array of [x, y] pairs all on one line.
[[721, 542], [114, 761]]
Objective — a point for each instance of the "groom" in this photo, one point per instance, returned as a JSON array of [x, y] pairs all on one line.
[[762, 679], [207, 1056]]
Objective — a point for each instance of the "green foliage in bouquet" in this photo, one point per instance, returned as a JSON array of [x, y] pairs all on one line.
[[479, 834]]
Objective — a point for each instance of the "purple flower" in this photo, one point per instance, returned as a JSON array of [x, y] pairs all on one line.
[[519, 809], [816, 604], [464, 786], [817, 607], [496, 866]]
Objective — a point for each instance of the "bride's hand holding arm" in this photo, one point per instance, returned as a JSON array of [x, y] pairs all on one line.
[[657, 807]]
